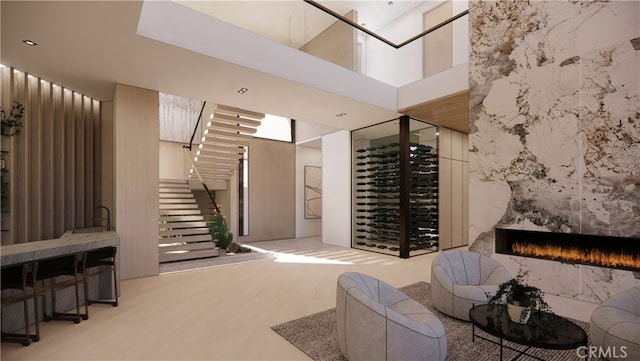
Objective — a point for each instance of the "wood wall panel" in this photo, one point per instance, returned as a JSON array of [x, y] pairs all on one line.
[[136, 148], [456, 204], [69, 159], [444, 203], [80, 152], [444, 142], [454, 189], [107, 155], [271, 190], [18, 175], [49, 192], [465, 203], [47, 152], [451, 111]]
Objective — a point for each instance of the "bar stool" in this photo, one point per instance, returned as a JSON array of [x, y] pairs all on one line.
[[50, 270], [96, 262], [15, 278]]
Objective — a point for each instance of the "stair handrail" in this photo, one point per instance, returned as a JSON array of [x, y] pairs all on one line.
[[195, 168], [193, 135]]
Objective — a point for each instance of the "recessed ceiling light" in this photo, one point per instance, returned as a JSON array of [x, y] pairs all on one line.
[[364, 24], [390, 3], [30, 42], [341, 114], [242, 90]]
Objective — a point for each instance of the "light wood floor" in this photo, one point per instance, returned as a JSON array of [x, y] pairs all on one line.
[[219, 313]]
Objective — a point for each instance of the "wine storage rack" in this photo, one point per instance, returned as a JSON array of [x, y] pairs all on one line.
[[377, 193]]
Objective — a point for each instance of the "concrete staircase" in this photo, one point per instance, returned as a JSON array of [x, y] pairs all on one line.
[[183, 233]]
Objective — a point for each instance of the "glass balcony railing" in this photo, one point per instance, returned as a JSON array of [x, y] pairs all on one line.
[[379, 39]]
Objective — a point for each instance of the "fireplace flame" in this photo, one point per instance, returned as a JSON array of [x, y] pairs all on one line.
[[574, 254]]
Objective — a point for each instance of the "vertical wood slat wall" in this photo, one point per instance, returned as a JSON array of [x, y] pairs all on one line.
[[53, 163]]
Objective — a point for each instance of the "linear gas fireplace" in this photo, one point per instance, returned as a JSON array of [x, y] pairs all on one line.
[[603, 251]]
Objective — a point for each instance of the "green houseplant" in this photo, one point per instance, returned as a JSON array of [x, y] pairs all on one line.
[[11, 124], [520, 298], [218, 229]]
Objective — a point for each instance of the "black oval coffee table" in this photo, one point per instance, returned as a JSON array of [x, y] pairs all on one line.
[[543, 330]]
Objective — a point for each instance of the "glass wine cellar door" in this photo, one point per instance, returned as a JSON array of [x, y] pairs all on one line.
[[395, 187]]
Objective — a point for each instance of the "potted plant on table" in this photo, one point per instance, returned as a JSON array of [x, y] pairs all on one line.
[[520, 298]]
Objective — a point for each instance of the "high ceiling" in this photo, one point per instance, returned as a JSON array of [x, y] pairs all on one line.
[[89, 46]]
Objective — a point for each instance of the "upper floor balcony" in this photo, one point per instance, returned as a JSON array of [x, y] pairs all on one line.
[[383, 40]]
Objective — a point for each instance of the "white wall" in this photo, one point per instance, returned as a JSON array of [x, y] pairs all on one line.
[[451, 81], [336, 192], [313, 157], [173, 162], [404, 65]]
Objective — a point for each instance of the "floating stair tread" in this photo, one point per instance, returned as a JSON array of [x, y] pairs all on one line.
[[174, 225], [187, 247], [169, 257], [175, 195], [181, 218], [184, 231], [173, 181], [179, 212], [178, 206], [177, 200], [198, 238], [184, 189], [226, 109]]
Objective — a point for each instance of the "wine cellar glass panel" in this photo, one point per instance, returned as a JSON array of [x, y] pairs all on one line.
[[377, 188]]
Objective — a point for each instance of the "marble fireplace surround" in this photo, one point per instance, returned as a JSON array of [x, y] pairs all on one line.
[[554, 89], [573, 281]]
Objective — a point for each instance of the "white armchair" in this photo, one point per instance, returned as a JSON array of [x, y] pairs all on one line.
[[378, 322], [616, 324], [460, 279]]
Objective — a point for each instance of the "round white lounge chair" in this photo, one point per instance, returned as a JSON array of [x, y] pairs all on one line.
[[378, 322], [460, 279], [616, 324]]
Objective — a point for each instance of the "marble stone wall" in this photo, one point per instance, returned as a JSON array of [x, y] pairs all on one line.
[[555, 130]]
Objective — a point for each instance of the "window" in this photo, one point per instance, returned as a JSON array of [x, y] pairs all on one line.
[[276, 128]]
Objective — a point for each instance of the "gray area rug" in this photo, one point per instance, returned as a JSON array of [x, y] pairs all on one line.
[[316, 335]]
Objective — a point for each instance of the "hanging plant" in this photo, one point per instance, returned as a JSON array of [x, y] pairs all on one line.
[[12, 124], [4, 195]]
